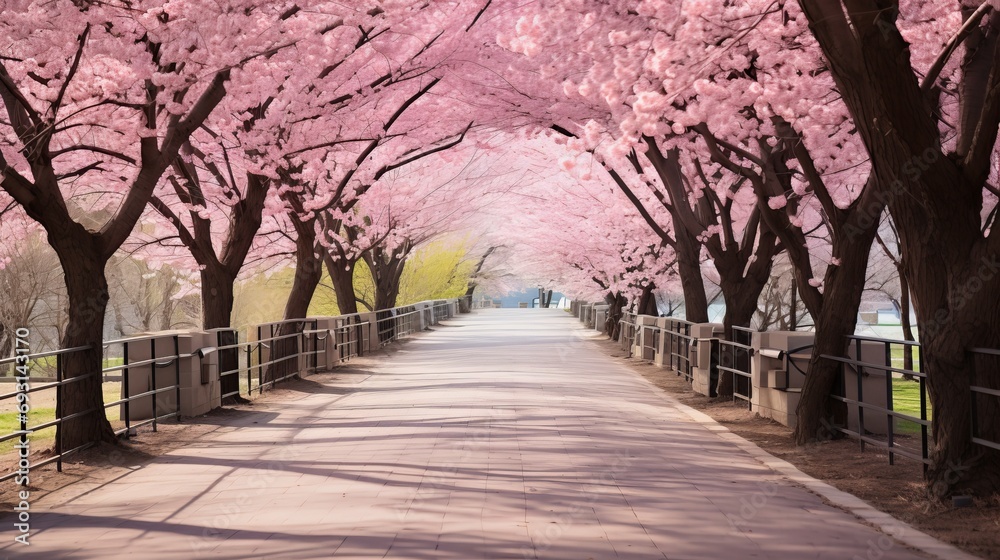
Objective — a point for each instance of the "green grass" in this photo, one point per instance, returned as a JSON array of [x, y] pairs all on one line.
[[44, 412], [896, 352], [906, 399]]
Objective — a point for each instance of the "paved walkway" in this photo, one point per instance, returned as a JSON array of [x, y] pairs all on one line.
[[502, 435]]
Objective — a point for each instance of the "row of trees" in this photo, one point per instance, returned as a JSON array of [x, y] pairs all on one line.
[[806, 133], [220, 139]]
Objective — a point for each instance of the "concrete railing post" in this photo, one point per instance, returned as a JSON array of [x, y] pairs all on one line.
[[327, 341], [201, 390], [600, 316], [644, 347], [776, 391], [873, 387], [370, 332], [143, 376]]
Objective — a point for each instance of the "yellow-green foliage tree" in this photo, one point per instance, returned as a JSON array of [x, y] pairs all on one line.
[[261, 299], [438, 270]]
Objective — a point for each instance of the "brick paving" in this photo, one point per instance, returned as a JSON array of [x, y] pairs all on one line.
[[503, 434]]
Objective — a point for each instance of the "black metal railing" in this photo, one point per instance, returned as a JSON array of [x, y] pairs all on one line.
[[983, 358], [270, 357], [735, 357], [866, 406], [677, 346], [115, 377], [141, 376], [394, 324], [350, 335]]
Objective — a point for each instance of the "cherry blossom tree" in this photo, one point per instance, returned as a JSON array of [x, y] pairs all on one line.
[[99, 99], [928, 113]]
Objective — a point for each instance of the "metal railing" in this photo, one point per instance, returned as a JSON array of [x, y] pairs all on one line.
[[864, 369], [628, 332], [350, 337], [141, 376], [128, 373], [735, 357], [394, 324], [677, 346], [979, 355], [272, 357], [441, 310]]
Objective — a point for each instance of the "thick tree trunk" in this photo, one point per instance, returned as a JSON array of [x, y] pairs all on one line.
[[844, 286], [688, 252], [387, 272], [612, 325], [308, 272], [342, 275], [387, 292], [936, 200], [647, 301], [959, 465], [955, 277], [83, 263], [217, 297]]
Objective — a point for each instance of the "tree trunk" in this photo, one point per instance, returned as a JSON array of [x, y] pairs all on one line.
[[793, 308], [308, 273], [935, 199], [838, 320], [387, 291], [342, 275], [387, 271], [647, 301], [465, 303], [688, 251], [959, 465], [612, 325], [83, 262], [217, 297]]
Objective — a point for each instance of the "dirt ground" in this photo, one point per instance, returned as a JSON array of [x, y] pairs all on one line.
[[895, 489]]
